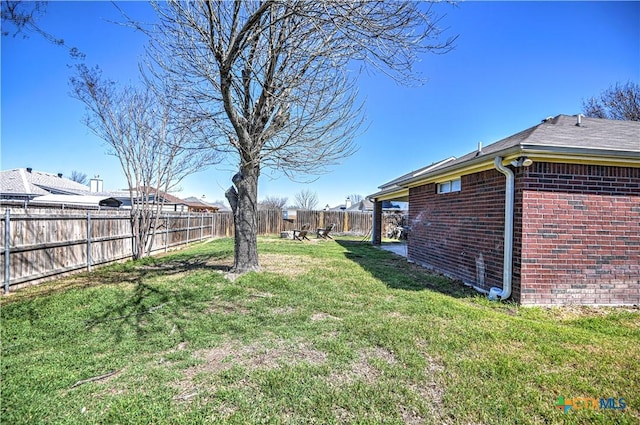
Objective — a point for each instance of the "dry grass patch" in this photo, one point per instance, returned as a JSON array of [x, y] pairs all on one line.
[[289, 265], [396, 315], [260, 294], [248, 357], [574, 312], [255, 356], [383, 354], [323, 316], [284, 264], [218, 306], [283, 310], [362, 369]]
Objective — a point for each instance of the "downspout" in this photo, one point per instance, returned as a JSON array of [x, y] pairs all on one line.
[[505, 292]]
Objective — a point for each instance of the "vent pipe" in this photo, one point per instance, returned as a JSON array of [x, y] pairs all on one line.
[[579, 123]]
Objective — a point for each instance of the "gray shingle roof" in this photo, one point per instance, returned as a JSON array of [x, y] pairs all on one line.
[[20, 181], [593, 137]]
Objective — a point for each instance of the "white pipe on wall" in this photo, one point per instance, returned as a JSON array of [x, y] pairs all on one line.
[[505, 292]]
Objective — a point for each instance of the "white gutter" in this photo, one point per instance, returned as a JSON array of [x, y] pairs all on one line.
[[505, 292]]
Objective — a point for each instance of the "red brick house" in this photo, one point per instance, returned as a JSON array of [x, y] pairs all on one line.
[[548, 216]]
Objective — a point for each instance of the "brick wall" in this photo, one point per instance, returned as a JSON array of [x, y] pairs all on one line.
[[580, 241], [576, 233], [461, 233]]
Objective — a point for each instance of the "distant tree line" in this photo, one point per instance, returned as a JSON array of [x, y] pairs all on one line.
[[303, 200]]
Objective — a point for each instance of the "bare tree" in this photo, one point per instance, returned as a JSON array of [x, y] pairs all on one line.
[[619, 102], [277, 80], [24, 16], [355, 198], [156, 148], [79, 177], [273, 203], [305, 200]]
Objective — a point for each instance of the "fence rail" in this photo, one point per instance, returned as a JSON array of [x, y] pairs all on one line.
[[42, 244]]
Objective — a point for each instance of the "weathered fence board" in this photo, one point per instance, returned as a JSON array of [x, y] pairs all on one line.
[[42, 244]]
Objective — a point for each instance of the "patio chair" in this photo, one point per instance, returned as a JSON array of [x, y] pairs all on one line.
[[324, 233], [302, 233]]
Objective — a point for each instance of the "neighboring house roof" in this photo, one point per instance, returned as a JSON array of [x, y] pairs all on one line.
[[41, 187], [28, 182], [198, 204], [364, 205], [168, 199], [192, 203], [78, 200], [221, 206], [193, 199], [562, 138]]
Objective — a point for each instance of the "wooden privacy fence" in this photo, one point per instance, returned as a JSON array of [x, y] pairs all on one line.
[[37, 246], [346, 222]]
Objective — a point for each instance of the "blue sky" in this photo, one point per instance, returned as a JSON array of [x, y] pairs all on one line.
[[514, 64]]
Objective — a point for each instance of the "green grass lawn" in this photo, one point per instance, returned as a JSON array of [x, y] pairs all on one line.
[[329, 332]]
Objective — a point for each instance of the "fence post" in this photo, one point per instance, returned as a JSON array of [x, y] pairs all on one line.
[[7, 240], [202, 227], [188, 226], [89, 241], [166, 232]]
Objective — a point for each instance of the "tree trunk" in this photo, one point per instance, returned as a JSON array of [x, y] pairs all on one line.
[[143, 233], [243, 199], [136, 241]]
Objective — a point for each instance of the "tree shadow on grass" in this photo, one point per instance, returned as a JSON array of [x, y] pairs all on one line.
[[395, 272], [174, 302], [128, 272], [149, 293], [134, 311]]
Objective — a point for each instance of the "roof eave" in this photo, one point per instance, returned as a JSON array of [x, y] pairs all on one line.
[[535, 152], [390, 194], [480, 163], [415, 173], [604, 155]]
